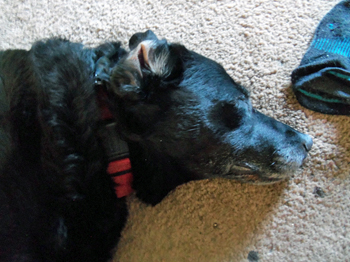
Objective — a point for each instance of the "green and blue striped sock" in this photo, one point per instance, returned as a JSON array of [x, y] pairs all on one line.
[[322, 80]]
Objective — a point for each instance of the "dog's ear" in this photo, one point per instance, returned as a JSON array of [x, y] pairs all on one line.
[[152, 64], [137, 38]]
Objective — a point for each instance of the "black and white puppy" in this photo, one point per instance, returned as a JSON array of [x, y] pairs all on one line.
[[181, 114]]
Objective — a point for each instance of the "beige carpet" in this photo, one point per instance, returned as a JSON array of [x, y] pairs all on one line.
[[259, 42]]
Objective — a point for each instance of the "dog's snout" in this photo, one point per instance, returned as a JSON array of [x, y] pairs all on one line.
[[307, 142]]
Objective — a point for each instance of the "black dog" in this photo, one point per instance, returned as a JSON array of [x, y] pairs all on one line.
[[183, 117]]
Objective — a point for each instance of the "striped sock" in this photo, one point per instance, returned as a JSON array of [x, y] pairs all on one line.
[[322, 80]]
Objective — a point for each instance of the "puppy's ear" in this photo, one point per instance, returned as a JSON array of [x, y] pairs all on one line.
[[127, 75], [137, 38], [148, 66]]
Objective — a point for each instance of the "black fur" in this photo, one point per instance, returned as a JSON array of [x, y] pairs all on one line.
[[58, 201], [182, 115]]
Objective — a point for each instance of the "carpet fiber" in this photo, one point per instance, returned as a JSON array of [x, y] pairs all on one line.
[[259, 42]]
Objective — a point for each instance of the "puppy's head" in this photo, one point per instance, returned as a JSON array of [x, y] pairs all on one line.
[[179, 104]]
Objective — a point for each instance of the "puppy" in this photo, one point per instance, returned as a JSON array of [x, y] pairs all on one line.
[[183, 119]]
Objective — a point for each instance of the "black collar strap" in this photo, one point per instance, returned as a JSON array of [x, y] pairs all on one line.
[[117, 150]]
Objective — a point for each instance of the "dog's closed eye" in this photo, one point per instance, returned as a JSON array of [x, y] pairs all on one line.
[[227, 116], [231, 115]]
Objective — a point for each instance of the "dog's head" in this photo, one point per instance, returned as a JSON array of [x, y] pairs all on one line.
[[177, 103]]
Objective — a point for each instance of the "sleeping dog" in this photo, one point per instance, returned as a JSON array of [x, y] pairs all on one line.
[[64, 109]]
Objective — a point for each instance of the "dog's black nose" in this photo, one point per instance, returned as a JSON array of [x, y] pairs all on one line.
[[307, 142]]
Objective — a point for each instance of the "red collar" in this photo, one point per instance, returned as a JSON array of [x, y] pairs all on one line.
[[120, 171], [119, 166]]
